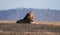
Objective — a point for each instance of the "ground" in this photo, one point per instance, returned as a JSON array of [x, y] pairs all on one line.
[[45, 28]]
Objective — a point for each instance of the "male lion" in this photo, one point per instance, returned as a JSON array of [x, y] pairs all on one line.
[[27, 19]]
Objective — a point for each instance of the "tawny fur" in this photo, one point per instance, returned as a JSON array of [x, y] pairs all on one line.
[[27, 19]]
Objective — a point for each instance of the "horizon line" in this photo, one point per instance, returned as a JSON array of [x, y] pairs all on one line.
[[29, 8]]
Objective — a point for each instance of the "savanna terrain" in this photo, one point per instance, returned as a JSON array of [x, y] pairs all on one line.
[[36, 28]]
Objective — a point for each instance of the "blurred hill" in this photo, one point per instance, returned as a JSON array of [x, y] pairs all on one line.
[[39, 14]]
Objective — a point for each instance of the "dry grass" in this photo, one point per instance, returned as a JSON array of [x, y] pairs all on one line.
[[7, 21], [36, 28]]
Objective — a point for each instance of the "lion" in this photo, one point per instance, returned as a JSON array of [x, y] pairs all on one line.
[[27, 19]]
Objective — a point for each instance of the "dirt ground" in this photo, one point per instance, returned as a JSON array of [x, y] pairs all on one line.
[[29, 29]]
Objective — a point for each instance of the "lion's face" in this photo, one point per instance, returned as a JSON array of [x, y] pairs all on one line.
[[30, 16]]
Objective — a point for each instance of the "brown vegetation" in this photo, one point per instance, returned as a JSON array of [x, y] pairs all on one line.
[[29, 29]]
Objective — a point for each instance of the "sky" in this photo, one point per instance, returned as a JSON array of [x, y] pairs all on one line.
[[37, 4]]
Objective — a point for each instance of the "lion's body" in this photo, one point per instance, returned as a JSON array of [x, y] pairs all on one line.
[[27, 19]]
